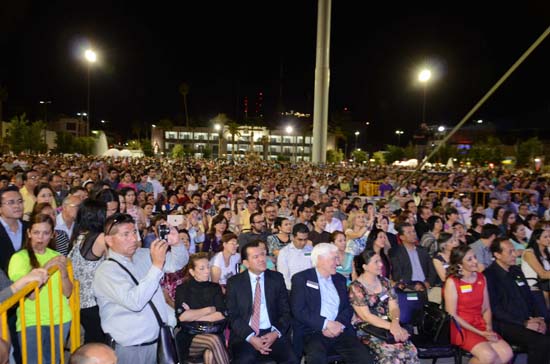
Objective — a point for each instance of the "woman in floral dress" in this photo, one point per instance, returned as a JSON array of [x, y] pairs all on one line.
[[375, 303]]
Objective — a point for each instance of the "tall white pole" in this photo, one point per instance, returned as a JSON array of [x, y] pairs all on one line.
[[322, 80]]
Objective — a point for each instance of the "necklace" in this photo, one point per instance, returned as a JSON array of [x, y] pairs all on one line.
[[370, 287]]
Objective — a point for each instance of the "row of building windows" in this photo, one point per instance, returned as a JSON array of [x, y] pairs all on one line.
[[245, 148], [273, 139]]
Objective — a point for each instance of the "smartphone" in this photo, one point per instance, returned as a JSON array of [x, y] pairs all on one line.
[[175, 220]]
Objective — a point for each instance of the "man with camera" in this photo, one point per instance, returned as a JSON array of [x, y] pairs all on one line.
[[126, 315]]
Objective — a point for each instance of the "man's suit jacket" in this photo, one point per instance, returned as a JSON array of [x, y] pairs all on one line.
[[6, 246], [305, 302], [60, 196], [401, 264], [239, 303]]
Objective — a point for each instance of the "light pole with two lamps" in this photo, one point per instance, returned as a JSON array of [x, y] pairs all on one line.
[[45, 103], [424, 76], [399, 133]]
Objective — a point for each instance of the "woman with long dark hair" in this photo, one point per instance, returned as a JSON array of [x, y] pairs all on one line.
[[37, 252], [87, 254], [536, 262], [379, 243], [198, 299], [276, 242], [429, 239], [467, 301], [213, 239]]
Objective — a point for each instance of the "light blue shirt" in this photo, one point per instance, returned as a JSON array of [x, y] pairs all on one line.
[[330, 301], [123, 306], [417, 272], [264, 316], [15, 237]]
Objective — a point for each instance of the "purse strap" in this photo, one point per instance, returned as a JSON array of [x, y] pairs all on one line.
[[155, 311]]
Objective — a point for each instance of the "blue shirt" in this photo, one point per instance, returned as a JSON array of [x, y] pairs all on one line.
[[264, 315], [330, 301], [417, 272], [15, 237]]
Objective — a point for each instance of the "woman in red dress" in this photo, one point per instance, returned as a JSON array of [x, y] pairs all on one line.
[[467, 300]]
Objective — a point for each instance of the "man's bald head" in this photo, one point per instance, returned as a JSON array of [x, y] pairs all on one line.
[[93, 353]]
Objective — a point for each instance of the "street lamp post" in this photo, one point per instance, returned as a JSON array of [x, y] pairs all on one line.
[[356, 137], [424, 76], [399, 133], [289, 129], [45, 103], [91, 57]]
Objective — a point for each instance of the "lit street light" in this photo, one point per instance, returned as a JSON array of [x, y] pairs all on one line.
[[289, 129], [91, 57], [479, 121], [424, 76], [399, 133], [45, 103], [356, 137], [441, 129], [218, 128]]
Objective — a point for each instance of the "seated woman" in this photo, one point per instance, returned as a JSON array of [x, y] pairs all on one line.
[[375, 303], [429, 239], [225, 264], [276, 242], [446, 243], [345, 267], [37, 253], [467, 301], [378, 241], [536, 262], [198, 299], [518, 238]]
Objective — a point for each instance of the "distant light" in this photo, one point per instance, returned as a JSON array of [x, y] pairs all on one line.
[[45, 102], [359, 149], [479, 121], [357, 133], [441, 129], [372, 160], [289, 129], [95, 132], [537, 160], [345, 109], [351, 160], [153, 125], [399, 132], [424, 75], [218, 127], [103, 121], [90, 55], [367, 123]]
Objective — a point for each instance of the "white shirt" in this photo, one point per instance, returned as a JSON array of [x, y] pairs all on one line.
[[333, 225], [229, 271], [292, 260], [157, 187], [60, 224]]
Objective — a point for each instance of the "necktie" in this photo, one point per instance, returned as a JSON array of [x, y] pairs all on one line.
[[255, 322]]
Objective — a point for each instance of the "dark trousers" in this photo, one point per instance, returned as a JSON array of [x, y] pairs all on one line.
[[12, 320], [89, 318], [538, 345], [281, 352], [318, 348]]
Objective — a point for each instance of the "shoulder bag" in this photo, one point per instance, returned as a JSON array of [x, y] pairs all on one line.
[[166, 346]]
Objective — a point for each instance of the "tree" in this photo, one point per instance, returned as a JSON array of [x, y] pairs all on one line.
[[64, 142], [335, 156], [134, 144], [265, 144], [486, 152], [527, 150], [359, 156], [233, 129], [409, 152], [380, 157], [395, 153], [147, 148], [16, 133], [177, 151], [35, 139], [84, 145], [184, 91]]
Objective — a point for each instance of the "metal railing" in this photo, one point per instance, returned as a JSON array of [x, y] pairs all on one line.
[[21, 299]]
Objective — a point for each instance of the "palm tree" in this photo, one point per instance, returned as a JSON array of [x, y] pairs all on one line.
[[265, 142], [233, 129], [184, 91]]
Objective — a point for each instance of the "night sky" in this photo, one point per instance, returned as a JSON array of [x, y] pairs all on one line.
[[228, 50]]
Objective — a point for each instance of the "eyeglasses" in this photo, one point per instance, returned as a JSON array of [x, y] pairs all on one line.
[[259, 222], [13, 202], [119, 219]]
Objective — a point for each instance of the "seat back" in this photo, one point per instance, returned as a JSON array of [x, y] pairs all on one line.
[[411, 302]]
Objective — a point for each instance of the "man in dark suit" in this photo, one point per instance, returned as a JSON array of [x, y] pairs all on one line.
[[12, 231], [516, 317], [56, 183], [319, 302], [259, 312], [410, 262]]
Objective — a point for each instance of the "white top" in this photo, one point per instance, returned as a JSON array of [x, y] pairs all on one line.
[[292, 260], [529, 272], [227, 271]]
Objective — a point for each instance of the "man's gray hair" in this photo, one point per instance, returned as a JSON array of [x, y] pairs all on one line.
[[322, 249]]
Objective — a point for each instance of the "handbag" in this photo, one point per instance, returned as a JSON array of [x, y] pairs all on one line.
[[378, 332], [166, 345], [436, 323], [204, 327]]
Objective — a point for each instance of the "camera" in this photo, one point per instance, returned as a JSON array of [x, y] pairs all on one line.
[[164, 230]]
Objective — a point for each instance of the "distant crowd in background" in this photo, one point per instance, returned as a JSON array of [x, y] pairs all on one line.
[[269, 260]]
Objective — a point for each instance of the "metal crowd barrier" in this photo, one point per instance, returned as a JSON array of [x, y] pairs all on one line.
[[369, 188], [74, 306]]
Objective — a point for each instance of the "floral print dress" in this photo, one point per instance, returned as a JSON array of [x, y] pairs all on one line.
[[398, 353]]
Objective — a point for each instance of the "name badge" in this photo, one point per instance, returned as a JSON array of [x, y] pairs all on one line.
[[467, 288], [412, 297], [307, 254], [312, 284], [383, 297], [520, 283]]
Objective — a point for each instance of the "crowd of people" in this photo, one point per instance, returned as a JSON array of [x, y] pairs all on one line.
[[264, 260]]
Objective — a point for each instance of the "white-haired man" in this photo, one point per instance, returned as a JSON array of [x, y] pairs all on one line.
[[320, 304]]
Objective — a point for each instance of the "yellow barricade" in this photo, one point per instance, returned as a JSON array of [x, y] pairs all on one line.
[[20, 298], [369, 188]]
